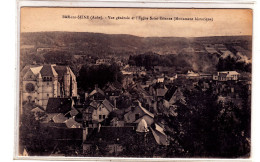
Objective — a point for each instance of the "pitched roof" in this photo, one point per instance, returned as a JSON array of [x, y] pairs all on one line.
[[110, 87], [108, 105], [160, 138], [59, 118], [161, 91], [48, 70], [143, 117], [37, 109], [170, 93], [74, 112], [94, 104], [27, 67], [24, 70], [61, 70], [97, 90], [229, 72], [71, 123], [58, 105], [145, 111], [142, 126], [36, 70]]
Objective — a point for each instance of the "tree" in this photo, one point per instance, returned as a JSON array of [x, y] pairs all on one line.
[[89, 76]]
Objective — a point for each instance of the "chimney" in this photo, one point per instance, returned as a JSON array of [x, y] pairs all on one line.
[[96, 86], [115, 103], [86, 96]]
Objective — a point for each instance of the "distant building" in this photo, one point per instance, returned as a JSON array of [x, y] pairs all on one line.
[[160, 79], [173, 77], [192, 75], [103, 61], [226, 75], [40, 83]]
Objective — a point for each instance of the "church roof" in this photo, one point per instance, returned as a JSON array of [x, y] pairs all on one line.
[[36, 70], [48, 70], [61, 70]]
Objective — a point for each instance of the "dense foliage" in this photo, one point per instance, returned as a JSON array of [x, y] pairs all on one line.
[[206, 128], [178, 62], [100, 75], [230, 63]]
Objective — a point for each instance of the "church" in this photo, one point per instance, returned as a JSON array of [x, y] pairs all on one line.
[[39, 83]]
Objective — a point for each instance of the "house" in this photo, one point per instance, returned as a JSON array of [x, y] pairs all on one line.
[[97, 111], [97, 94], [39, 83], [138, 112], [205, 76], [192, 75], [173, 95], [173, 77], [103, 61], [115, 122], [39, 114], [113, 91], [71, 123], [160, 80], [59, 105], [226, 76], [87, 115]]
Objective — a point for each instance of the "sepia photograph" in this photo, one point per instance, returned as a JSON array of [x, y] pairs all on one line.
[[135, 82]]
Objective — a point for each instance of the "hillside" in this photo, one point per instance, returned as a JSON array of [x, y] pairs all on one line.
[[109, 44]]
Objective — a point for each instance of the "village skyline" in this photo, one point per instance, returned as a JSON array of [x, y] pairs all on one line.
[[95, 95]]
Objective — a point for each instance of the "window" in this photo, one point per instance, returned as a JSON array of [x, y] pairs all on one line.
[[136, 116], [46, 79], [104, 116], [47, 95], [100, 116]]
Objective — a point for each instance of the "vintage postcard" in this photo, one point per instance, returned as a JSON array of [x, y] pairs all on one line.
[[135, 82]]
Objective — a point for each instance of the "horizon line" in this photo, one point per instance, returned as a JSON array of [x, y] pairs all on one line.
[[137, 35]]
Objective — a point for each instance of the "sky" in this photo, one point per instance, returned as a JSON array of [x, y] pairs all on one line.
[[226, 22]]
